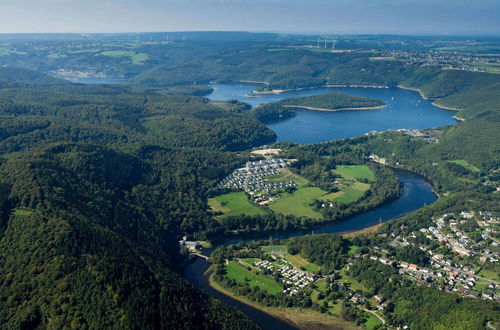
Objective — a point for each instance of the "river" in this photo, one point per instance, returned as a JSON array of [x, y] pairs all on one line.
[[417, 192]]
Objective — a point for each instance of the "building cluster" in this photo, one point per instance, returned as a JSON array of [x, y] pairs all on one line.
[[419, 135], [293, 279], [444, 273], [192, 246], [251, 178], [444, 59]]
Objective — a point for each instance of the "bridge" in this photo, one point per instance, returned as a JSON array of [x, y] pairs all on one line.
[[199, 255]]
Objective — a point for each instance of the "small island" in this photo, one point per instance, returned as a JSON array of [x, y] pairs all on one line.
[[333, 102]]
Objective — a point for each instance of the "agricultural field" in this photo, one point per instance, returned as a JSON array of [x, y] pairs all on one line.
[[351, 189], [232, 204], [355, 172], [242, 275], [298, 203], [136, 58]]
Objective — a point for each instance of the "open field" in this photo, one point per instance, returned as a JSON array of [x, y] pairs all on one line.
[[490, 271], [464, 163], [352, 192], [279, 249], [285, 175], [232, 204], [302, 263], [355, 172], [238, 273], [371, 321], [136, 58], [298, 203]]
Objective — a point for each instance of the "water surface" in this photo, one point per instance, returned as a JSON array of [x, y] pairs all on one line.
[[405, 109]]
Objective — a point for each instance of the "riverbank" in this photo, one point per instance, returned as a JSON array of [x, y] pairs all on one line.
[[334, 110], [299, 318], [364, 231]]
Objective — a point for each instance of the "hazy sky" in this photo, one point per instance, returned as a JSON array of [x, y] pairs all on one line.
[[332, 16]]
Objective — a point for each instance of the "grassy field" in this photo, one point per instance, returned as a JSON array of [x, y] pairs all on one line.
[[353, 284], [240, 274], [249, 261], [136, 58], [279, 249], [353, 249], [285, 175], [298, 203], [300, 262], [350, 188], [235, 203], [490, 271], [355, 172], [371, 321], [464, 163], [23, 211]]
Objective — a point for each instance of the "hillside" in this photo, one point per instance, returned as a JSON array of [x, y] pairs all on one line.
[[27, 77]]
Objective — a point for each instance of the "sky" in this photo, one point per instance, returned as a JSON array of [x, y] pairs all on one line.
[[431, 17]]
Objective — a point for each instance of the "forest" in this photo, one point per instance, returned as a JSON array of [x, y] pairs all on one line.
[[332, 101]]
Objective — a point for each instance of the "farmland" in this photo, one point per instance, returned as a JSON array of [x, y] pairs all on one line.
[[232, 204]]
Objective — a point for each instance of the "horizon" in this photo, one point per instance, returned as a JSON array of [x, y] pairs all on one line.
[[401, 17]]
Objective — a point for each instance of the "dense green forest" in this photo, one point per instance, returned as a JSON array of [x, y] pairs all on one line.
[[333, 101]]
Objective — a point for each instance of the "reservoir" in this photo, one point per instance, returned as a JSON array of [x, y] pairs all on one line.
[[405, 109]]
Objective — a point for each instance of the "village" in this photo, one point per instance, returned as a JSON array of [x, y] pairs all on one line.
[[446, 272], [252, 179], [293, 279]]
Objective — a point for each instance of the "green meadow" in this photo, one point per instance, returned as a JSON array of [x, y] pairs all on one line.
[[232, 204], [298, 203], [464, 163], [242, 275], [136, 58], [355, 172]]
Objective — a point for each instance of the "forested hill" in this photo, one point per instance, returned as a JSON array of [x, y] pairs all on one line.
[[84, 248], [26, 77], [300, 68], [95, 191], [333, 101]]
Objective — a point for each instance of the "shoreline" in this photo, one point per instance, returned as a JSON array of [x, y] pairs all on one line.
[[301, 318], [334, 110]]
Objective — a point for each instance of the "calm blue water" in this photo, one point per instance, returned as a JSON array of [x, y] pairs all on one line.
[[405, 109]]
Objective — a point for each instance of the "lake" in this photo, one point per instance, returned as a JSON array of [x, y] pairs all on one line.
[[405, 109]]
